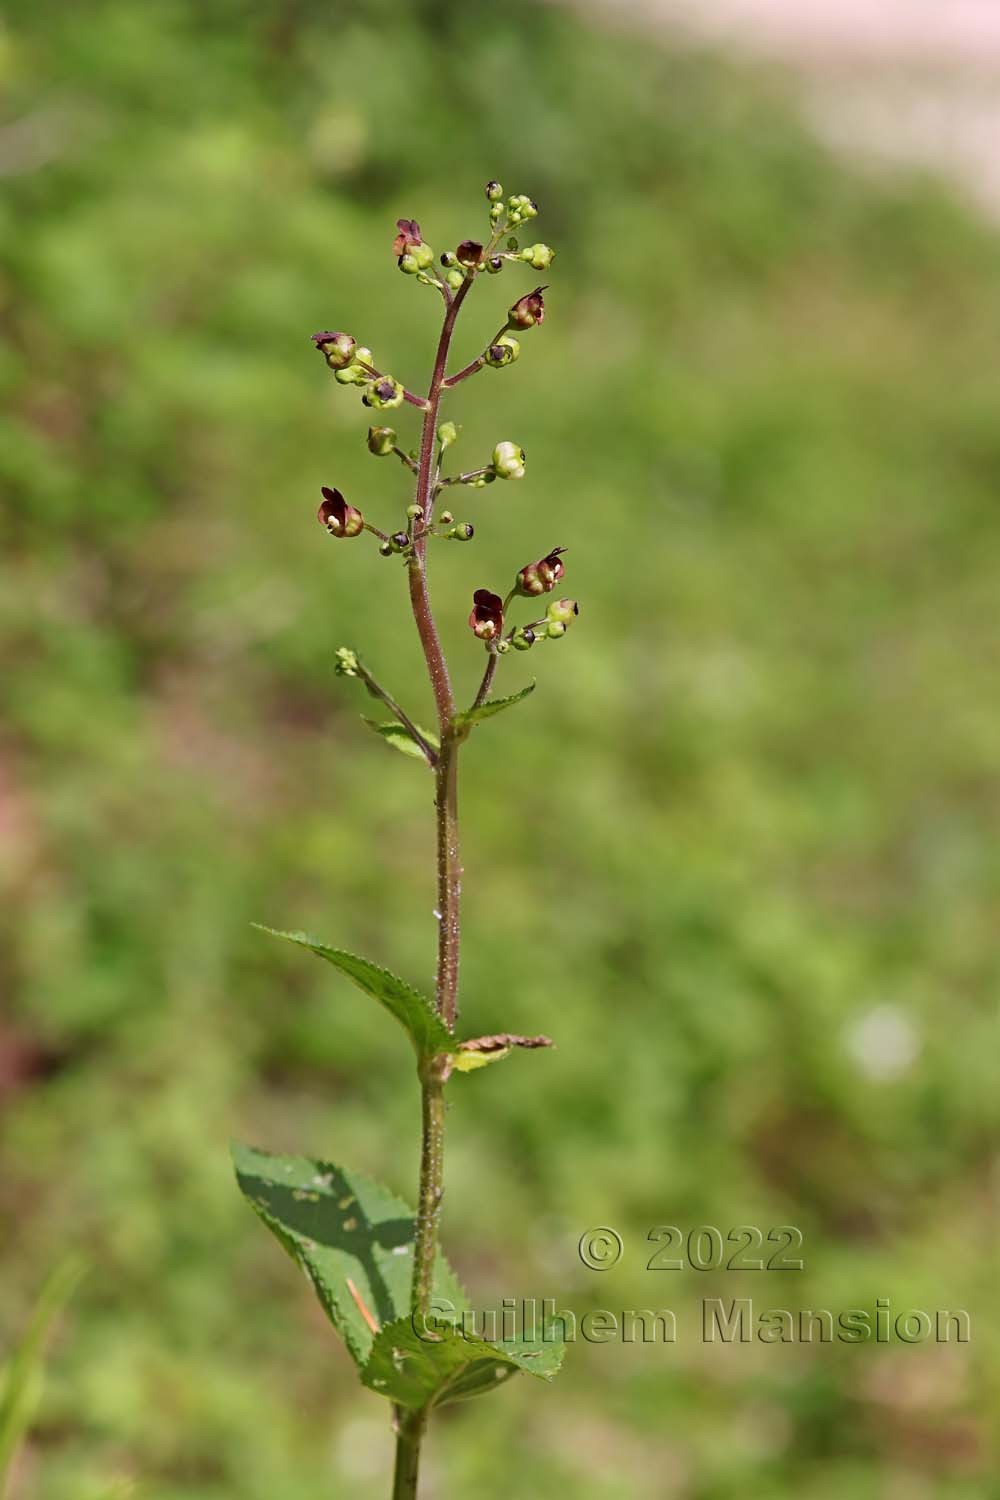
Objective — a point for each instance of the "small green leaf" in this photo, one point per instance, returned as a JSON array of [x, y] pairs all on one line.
[[399, 737], [480, 1051], [411, 1009], [446, 1365], [471, 716], [345, 1231]]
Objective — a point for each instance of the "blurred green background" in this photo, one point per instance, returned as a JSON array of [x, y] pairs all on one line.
[[738, 854]]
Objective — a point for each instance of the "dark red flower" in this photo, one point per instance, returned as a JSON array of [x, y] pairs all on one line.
[[471, 253], [486, 619], [528, 310], [339, 518], [408, 238], [541, 577]]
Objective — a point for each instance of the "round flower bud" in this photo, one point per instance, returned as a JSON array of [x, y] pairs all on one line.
[[503, 647], [504, 352], [528, 310], [555, 630], [386, 549], [494, 264], [415, 512], [337, 348], [339, 518], [486, 619], [539, 256], [494, 192], [399, 541], [383, 393], [448, 259], [381, 441], [523, 638], [447, 434], [562, 611], [446, 518], [496, 214], [462, 532], [455, 278], [362, 356], [508, 461]]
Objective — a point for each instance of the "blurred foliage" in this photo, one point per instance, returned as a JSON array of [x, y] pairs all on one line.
[[751, 810]]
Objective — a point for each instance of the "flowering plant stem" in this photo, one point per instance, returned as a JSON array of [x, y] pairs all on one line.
[[410, 1427], [335, 1223]]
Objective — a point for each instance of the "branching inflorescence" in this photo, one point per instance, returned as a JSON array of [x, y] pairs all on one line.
[[375, 1266]]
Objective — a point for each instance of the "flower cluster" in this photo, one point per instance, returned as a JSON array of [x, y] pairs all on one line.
[[353, 364]]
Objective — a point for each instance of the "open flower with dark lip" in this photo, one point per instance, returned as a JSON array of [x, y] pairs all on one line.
[[408, 238], [339, 518], [486, 619], [541, 577], [528, 310], [471, 253]]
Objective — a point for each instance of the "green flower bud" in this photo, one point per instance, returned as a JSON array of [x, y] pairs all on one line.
[[503, 647], [383, 393], [446, 518], [337, 348], [523, 638], [350, 375], [504, 352], [448, 259], [562, 612], [494, 192], [523, 206], [386, 549], [496, 214], [455, 279], [508, 461], [381, 441], [539, 256], [554, 630], [462, 532], [415, 512], [494, 264], [423, 255], [447, 434], [363, 356], [346, 664], [399, 541]]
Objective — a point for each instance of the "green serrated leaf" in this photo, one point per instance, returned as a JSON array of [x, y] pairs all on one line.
[[399, 737], [411, 1009], [414, 1368], [344, 1230], [471, 716]]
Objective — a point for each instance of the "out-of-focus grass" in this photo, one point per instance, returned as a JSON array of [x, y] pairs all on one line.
[[752, 804]]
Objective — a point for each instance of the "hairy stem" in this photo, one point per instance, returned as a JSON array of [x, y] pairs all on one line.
[[410, 1428], [411, 1425]]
